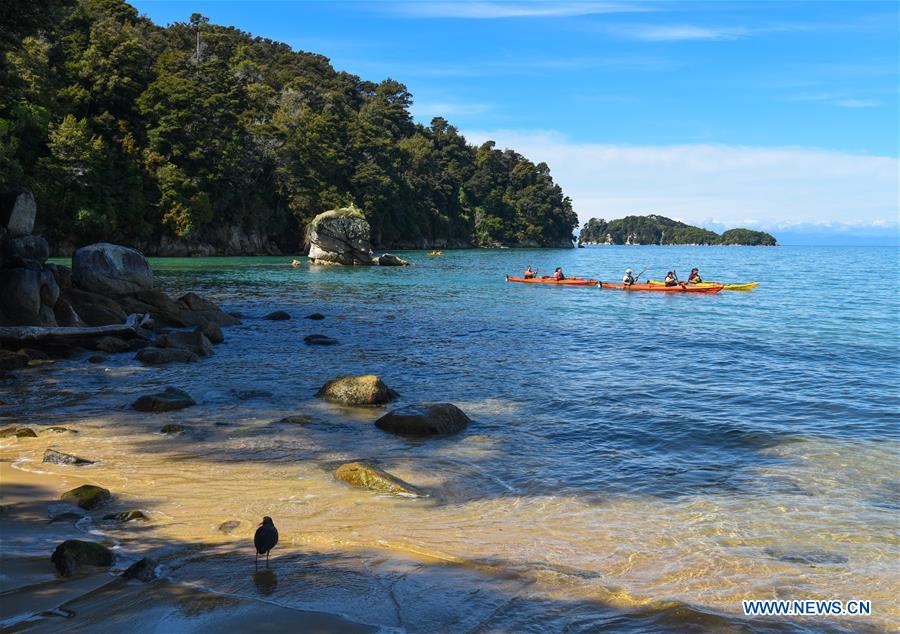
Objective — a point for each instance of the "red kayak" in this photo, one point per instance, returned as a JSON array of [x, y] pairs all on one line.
[[546, 279], [681, 288]]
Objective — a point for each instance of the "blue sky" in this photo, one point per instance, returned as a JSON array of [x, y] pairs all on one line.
[[777, 115]]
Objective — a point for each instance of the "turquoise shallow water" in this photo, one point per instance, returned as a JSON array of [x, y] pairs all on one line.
[[688, 448]]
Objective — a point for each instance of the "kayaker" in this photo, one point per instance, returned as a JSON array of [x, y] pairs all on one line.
[[628, 279], [671, 279], [694, 277], [528, 274], [558, 274]]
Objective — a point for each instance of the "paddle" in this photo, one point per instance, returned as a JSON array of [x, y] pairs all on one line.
[[638, 276]]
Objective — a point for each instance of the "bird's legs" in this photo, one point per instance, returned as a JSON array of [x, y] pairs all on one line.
[[267, 559]]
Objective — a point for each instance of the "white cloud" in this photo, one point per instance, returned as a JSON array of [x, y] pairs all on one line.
[[858, 103], [499, 10], [715, 185], [678, 33]]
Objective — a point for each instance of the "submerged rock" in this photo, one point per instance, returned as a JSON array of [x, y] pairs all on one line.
[[366, 389], [319, 340], [195, 341], [161, 356], [57, 457], [126, 516], [55, 429], [18, 432], [87, 496], [367, 476], [166, 401], [315, 316], [297, 419], [278, 315], [97, 358], [12, 360], [230, 526], [143, 570], [34, 355], [72, 554], [173, 428], [246, 395], [212, 331], [424, 419], [111, 269]]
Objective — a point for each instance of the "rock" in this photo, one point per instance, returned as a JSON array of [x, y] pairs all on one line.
[[424, 419], [94, 309], [143, 570], [62, 275], [111, 269], [18, 432], [230, 526], [96, 358], [316, 317], [160, 356], [319, 340], [21, 292], [367, 476], [166, 401], [112, 345], [196, 342], [366, 389], [12, 360], [126, 516], [278, 315], [389, 259], [34, 355], [339, 236], [72, 554], [172, 428], [28, 251], [17, 212], [297, 419], [212, 331], [55, 429], [160, 306], [57, 457], [65, 314], [197, 309], [246, 395], [87, 496]]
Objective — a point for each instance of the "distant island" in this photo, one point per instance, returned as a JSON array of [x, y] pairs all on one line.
[[200, 139], [659, 230]]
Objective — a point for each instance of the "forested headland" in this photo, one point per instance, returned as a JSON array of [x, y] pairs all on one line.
[[653, 229], [202, 139]]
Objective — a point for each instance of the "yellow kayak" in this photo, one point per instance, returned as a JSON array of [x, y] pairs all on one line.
[[435, 254], [725, 287]]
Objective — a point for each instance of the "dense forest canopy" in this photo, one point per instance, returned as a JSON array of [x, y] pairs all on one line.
[[655, 229], [134, 133]]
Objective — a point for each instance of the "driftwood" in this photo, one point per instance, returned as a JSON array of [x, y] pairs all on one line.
[[62, 337]]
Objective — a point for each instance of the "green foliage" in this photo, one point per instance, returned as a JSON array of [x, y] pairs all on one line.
[[128, 132], [655, 229]]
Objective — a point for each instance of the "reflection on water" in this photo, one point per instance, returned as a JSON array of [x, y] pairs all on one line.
[[634, 462]]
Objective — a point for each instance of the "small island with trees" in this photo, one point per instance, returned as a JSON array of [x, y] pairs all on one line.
[[659, 230]]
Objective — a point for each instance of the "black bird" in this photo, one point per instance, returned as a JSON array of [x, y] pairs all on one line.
[[265, 539]]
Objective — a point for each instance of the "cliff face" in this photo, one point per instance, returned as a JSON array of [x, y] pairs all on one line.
[[659, 230]]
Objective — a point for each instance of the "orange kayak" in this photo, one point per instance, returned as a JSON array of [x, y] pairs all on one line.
[[546, 279], [681, 288]]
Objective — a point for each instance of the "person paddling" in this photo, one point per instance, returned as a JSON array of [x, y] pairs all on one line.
[[694, 277], [628, 279], [529, 274], [671, 279], [558, 274]]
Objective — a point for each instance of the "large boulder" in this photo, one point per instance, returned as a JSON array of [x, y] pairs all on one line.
[[197, 309], [367, 476], [424, 419], [17, 212], [93, 308], [21, 293], [111, 269], [72, 554], [366, 389], [87, 496], [30, 251], [339, 236], [389, 259], [160, 306], [168, 400]]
